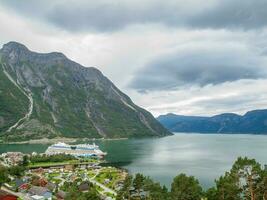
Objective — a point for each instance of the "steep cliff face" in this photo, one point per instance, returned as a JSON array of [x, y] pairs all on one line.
[[48, 95]]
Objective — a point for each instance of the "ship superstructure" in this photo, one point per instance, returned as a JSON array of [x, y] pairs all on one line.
[[79, 150]]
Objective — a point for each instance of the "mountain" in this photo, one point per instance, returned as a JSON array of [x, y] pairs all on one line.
[[254, 122], [48, 95]]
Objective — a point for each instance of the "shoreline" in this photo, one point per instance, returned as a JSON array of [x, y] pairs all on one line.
[[61, 139], [84, 140]]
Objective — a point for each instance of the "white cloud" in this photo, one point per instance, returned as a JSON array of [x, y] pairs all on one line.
[[123, 55], [237, 97]]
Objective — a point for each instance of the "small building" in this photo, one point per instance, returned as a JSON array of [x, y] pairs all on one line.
[[83, 166], [83, 187], [19, 183], [13, 158], [38, 170], [24, 187], [37, 197], [40, 191], [73, 177], [51, 186], [106, 181], [61, 195], [6, 196], [69, 167], [42, 182]]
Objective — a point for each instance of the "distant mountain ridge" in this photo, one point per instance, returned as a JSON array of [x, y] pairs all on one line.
[[46, 95], [253, 122]]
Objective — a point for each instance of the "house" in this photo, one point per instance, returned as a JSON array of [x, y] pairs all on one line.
[[119, 186], [73, 177], [37, 197], [142, 194], [26, 179], [69, 167], [106, 181], [8, 197], [83, 167], [40, 191], [19, 182], [38, 171], [61, 195], [13, 158], [51, 186], [42, 182], [24, 187], [84, 187]]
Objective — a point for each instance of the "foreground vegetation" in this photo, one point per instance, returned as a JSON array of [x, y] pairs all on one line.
[[245, 181]]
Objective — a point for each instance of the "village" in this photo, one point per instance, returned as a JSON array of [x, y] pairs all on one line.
[[41, 176]]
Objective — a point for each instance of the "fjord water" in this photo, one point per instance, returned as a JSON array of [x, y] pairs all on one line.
[[206, 156]]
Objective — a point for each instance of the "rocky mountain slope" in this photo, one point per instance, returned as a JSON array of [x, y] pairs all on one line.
[[254, 122], [48, 95]]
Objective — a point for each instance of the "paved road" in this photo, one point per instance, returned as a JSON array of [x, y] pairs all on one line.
[[106, 189]]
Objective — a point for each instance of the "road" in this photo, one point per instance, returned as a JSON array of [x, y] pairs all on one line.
[[106, 189]]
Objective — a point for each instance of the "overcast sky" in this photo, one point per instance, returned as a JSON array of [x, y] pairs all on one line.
[[192, 57]]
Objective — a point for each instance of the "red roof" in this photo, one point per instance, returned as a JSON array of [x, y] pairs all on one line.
[[24, 186], [8, 197]]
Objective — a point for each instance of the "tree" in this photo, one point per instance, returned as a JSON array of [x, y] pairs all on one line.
[[124, 193], [185, 188], [249, 175], [3, 175], [74, 193], [138, 182], [16, 170], [25, 160], [154, 190], [246, 181], [262, 188], [211, 194], [227, 188], [90, 195]]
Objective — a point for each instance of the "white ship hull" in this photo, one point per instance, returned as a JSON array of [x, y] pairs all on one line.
[[81, 150]]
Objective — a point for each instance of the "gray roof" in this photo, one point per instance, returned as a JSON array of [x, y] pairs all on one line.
[[19, 182], [83, 186], [61, 194], [51, 186], [38, 190]]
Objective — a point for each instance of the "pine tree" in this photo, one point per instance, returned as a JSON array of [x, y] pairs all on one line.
[[185, 188]]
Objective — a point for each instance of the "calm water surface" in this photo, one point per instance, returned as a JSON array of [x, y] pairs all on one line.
[[204, 156]]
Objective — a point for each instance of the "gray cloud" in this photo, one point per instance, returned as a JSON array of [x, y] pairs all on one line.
[[246, 14], [105, 16], [100, 15], [199, 67], [219, 43]]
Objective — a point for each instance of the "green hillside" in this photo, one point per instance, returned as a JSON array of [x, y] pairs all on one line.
[[69, 100]]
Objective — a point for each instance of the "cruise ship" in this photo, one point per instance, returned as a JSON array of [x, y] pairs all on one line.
[[79, 150]]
